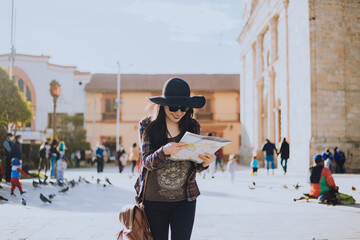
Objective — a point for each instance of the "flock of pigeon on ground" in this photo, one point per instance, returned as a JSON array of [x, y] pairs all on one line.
[[65, 184]]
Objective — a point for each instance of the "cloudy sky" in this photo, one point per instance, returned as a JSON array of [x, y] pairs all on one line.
[[149, 36]]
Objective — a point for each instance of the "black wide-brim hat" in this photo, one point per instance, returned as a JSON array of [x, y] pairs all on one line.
[[176, 92]]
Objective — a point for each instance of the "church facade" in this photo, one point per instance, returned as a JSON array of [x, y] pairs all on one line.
[[33, 75], [300, 78]]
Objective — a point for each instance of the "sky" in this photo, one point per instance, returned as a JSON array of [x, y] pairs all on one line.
[[148, 36]]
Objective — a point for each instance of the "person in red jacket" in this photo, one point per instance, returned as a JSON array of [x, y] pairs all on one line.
[[322, 184], [15, 176]]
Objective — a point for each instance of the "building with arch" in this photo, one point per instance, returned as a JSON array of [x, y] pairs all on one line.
[[300, 78], [33, 75]]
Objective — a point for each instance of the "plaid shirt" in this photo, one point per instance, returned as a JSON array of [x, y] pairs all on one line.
[[157, 159]]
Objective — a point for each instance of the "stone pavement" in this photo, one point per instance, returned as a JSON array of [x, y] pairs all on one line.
[[224, 210]]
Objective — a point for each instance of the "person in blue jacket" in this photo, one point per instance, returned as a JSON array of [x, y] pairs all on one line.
[[100, 158], [328, 159]]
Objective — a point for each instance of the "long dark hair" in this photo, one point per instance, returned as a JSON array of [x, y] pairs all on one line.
[[157, 130]]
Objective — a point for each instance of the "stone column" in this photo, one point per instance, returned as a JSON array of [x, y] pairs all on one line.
[[271, 105], [274, 39], [259, 87]]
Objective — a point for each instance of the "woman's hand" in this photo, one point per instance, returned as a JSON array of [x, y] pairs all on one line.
[[173, 148], [207, 158]]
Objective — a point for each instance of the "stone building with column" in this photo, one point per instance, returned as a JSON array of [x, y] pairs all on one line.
[[300, 78]]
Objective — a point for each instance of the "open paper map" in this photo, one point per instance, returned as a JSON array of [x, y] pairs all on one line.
[[198, 144]]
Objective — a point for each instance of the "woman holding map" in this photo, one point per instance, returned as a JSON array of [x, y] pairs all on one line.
[[170, 190]]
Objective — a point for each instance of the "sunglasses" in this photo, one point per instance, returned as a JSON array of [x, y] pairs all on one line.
[[176, 108]]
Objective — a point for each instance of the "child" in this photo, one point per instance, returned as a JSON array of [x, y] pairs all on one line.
[[15, 176], [231, 166], [254, 165], [60, 169]]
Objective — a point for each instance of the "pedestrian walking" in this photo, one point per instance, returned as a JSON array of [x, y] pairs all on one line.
[[77, 158], [100, 158], [284, 154], [134, 157], [254, 164], [8, 145], [339, 157], [61, 165], [62, 149], [231, 167], [16, 154], [269, 151], [328, 159], [54, 155], [171, 189], [15, 176], [120, 153], [43, 160], [219, 155]]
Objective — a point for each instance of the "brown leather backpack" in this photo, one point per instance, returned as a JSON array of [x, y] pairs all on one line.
[[136, 225]]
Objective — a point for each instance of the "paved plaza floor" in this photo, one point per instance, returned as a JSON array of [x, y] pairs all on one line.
[[224, 210]]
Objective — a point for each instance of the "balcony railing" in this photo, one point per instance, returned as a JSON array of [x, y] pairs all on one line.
[[109, 116]]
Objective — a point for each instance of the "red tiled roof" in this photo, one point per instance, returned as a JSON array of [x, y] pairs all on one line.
[[155, 82]]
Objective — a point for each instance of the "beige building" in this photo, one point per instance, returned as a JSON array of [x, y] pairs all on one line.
[[300, 78], [220, 115]]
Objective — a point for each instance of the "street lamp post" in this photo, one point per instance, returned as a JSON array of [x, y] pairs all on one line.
[[118, 86], [55, 93]]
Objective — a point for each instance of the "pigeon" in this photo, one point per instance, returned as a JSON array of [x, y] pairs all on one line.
[[353, 188], [104, 185], [92, 177], [86, 181], [98, 180], [285, 186], [72, 183], [23, 202], [52, 183], [51, 196], [60, 184], [108, 181], [64, 190], [44, 199], [35, 184], [3, 199], [253, 183], [297, 186], [79, 179]]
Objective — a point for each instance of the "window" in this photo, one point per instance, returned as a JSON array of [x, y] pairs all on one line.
[[21, 85], [107, 105], [28, 94], [109, 112], [205, 113]]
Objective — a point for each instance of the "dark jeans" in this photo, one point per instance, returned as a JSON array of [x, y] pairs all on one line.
[[179, 215], [340, 168], [133, 165], [7, 168], [218, 161], [100, 165], [121, 167], [284, 165]]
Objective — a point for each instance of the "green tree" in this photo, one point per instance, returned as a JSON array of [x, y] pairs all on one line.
[[13, 106], [73, 133]]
